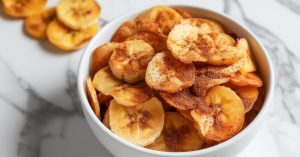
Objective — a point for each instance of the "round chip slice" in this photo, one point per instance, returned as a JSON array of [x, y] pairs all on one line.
[[130, 59], [178, 135], [189, 44], [165, 73], [205, 25], [105, 82], [165, 17], [140, 124], [36, 25], [131, 95], [225, 116], [78, 14], [248, 79], [141, 30], [101, 56], [248, 95], [23, 8], [67, 39]]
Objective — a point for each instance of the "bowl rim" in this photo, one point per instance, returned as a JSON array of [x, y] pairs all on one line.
[[84, 102]]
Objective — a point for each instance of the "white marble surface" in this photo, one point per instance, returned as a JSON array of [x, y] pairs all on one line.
[[40, 115]]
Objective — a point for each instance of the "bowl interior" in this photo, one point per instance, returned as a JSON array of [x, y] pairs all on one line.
[[230, 26]]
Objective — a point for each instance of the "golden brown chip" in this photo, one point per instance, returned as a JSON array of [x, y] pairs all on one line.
[[178, 135], [248, 95], [36, 25], [165, 73], [140, 124], [101, 56], [23, 8], [131, 95], [248, 79], [165, 17], [183, 100], [205, 25], [208, 77], [225, 116], [130, 59], [92, 96]]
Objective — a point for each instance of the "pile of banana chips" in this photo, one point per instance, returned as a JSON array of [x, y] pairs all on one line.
[[171, 82]]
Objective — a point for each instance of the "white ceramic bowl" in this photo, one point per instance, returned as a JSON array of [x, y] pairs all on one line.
[[120, 147]]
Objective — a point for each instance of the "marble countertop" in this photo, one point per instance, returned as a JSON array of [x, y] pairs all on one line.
[[40, 114]]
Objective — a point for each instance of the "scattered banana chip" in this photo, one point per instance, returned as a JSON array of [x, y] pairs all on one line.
[[167, 74], [248, 79], [141, 30], [140, 124], [101, 56], [205, 25], [249, 64], [67, 39], [178, 135], [165, 17], [92, 96], [248, 95], [225, 116], [23, 8], [78, 14], [183, 100], [36, 25], [130, 59], [131, 95], [105, 82], [188, 44]]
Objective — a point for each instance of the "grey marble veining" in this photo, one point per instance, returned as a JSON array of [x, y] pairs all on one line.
[[39, 113]]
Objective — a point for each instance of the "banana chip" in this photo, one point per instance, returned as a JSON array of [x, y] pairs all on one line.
[[101, 56], [105, 82], [248, 79], [165, 73], [36, 25], [189, 44], [23, 8], [225, 116], [208, 77], [249, 64], [165, 17], [140, 124], [226, 53], [178, 135], [131, 95], [183, 100], [92, 96], [141, 30], [67, 39], [205, 25], [78, 14], [248, 95], [130, 59]]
